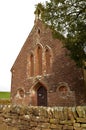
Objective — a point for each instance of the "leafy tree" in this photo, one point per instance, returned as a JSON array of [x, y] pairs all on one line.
[[68, 17]]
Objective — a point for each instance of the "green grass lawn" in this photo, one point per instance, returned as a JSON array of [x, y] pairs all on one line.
[[4, 95]]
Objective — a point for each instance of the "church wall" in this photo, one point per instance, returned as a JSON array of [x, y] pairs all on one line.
[[62, 71]]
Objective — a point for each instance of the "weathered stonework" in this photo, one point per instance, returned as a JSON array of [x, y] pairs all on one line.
[[42, 65], [43, 118]]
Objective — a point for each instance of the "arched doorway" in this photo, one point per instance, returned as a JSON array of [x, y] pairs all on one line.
[[41, 96]]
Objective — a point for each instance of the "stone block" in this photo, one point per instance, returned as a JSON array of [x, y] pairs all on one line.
[[70, 114], [66, 122], [45, 129], [53, 126], [53, 121], [81, 120], [37, 128], [32, 124], [76, 125], [65, 110], [81, 112], [61, 114], [75, 115], [45, 125], [78, 128], [56, 113], [67, 127], [43, 112], [83, 125]]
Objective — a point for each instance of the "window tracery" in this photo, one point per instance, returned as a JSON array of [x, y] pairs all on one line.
[[40, 59]]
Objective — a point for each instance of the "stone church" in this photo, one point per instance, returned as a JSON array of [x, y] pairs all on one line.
[[43, 75]]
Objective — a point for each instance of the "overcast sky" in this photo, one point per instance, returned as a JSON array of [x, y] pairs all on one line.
[[16, 22]]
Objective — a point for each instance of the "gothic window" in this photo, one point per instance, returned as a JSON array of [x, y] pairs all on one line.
[[47, 60], [39, 60], [31, 65]]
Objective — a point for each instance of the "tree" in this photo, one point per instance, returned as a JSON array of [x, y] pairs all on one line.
[[68, 17]]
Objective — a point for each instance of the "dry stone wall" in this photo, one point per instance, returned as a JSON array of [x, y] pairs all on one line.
[[43, 118]]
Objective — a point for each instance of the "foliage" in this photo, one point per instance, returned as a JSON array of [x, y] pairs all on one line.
[[68, 17]]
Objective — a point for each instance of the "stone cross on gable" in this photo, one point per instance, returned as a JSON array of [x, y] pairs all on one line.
[[38, 11], [38, 15]]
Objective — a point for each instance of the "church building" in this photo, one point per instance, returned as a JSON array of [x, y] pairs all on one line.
[[43, 74]]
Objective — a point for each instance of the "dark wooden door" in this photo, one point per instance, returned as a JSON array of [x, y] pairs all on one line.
[[41, 96]]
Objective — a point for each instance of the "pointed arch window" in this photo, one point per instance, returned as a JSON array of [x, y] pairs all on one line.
[[31, 64], [39, 60], [47, 60]]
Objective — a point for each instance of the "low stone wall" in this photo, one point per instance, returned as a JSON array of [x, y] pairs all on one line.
[[5, 101], [44, 118]]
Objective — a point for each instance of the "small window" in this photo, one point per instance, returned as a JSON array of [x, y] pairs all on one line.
[[31, 65], [47, 60], [63, 89], [38, 31], [21, 93]]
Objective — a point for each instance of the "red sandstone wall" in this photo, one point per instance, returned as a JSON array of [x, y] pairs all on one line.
[[62, 70]]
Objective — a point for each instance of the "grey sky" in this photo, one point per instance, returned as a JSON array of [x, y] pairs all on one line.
[[16, 22]]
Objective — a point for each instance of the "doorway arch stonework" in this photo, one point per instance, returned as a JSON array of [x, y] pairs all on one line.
[[39, 94]]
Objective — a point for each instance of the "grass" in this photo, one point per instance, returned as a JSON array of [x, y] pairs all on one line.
[[5, 98], [4, 95]]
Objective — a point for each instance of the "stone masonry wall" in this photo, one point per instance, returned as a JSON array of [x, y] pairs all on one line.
[[44, 118], [63, 71]]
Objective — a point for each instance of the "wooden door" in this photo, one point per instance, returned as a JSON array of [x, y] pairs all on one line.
[[42, 96]]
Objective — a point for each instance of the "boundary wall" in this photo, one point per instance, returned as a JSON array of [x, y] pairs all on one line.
[[42, 118]]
